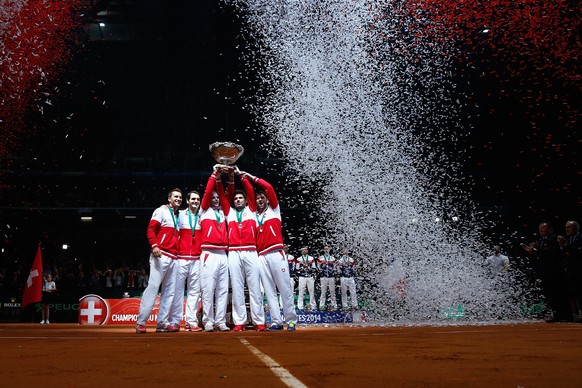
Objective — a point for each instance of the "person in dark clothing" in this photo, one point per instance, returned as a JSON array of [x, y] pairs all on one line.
[[550, 269], [571, 250]]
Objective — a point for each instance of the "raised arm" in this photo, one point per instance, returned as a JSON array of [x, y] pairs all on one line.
[[248, 187], [224, 200], [210, 187], [265, 186], [269, 191], [230, 187]]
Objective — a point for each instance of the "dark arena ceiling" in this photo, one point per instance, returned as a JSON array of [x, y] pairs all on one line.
[[153, 83]]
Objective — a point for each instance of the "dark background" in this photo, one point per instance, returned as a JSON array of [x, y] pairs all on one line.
[[147, 93]]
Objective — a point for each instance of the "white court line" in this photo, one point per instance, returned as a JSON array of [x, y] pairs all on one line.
[[286, 377]]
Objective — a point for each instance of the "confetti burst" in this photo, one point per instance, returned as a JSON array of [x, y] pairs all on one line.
[[357, 97], [36, 37]]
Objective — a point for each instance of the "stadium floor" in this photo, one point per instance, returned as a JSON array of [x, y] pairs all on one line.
[[506, 355]]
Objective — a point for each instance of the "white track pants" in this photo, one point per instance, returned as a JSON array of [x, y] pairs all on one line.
[[188, 277], [308, 283], [348, 284], [214, 282], [275, 276], [162, 273], [292, 283], [327, 283], [244, 265]]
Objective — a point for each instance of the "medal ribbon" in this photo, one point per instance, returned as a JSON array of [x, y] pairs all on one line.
[[217, 215], [173, 217], [192, 226], [260, 220]]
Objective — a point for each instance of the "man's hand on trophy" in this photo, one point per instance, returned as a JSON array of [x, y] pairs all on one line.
[[222, 168], [226, 169], [240, 173], [244, 175]]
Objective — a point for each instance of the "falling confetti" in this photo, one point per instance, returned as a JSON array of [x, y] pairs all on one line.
[[360, 100], [36, 37]]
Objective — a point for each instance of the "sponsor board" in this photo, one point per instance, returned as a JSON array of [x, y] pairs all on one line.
[[94, 310], [10, 309], [308, 317], [324, 317], [452, 312]]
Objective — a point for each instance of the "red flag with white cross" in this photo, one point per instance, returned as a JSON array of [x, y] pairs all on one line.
[[33, 286]]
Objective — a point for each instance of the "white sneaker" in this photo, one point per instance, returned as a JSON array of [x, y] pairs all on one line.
[[209, 327], [223, 327], [47, 322], [42, 322]]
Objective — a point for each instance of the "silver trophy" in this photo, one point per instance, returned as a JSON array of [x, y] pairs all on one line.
[[226, 153]]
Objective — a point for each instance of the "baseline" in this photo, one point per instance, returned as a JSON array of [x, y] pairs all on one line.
[[286, 377]]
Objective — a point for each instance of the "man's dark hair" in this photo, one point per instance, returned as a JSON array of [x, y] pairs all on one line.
[[171, 191], [193, 192], [239, 191]]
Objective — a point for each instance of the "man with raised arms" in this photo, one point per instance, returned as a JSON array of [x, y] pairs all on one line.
[[214, 262], [243, 260], [274, 267]]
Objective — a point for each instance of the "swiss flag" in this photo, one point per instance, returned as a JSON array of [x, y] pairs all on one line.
[[33, 286]]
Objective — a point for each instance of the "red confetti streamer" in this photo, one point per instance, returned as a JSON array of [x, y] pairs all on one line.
[[36, 40]]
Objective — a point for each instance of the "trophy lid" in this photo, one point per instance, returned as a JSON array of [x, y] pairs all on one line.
[[226, 152]]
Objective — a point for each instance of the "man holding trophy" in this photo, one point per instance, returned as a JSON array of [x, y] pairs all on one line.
[[243, 260], [214, 244], [274, 271], [275, 275]]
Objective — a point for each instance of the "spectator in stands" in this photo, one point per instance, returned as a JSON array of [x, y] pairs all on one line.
[[118, 281], [95, 282], [142, 279], [108, 278]]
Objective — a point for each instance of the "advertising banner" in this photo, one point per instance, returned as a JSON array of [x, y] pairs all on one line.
[[94, 310]]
